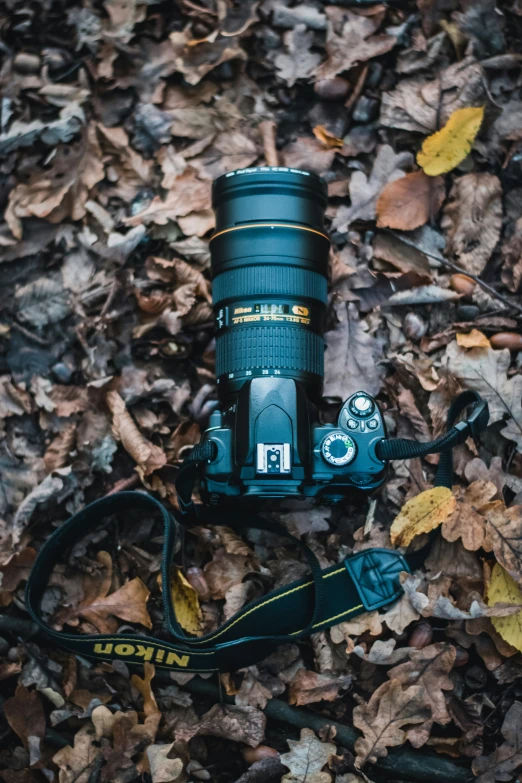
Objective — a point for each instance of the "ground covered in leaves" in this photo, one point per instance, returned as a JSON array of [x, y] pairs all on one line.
[[116, 115]]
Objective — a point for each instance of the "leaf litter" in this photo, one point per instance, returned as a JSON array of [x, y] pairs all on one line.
[[116, 117]]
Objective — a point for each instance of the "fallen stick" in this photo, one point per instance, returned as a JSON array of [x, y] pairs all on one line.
[[414, 764]]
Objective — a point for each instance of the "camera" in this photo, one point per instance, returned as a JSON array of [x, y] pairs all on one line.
[[269, 258]]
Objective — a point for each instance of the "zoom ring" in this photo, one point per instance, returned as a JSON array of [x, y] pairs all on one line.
[[270, 347], [266, 280]]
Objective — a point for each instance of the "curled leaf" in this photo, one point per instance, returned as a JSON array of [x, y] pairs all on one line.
[[503, 589]]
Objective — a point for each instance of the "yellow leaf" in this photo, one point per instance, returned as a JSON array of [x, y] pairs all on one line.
[[421, 514], [186, 603], [325, 137], [503, 589], [473, 339], [445, 149]]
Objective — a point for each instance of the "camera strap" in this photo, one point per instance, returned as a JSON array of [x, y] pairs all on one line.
[[365, 581]]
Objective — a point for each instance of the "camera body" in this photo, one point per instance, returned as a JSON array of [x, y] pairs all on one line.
[[270, 445], [270, 261]]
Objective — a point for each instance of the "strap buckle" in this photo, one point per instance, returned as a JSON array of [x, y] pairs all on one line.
[[475, 423], [375, 574]]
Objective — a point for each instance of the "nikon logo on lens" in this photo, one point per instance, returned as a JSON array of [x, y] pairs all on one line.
[[270, 262]]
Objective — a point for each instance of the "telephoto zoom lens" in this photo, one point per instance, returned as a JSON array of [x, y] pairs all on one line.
[[269, 257]]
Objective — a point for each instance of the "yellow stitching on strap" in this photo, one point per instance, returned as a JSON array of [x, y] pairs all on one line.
[[269, 601]]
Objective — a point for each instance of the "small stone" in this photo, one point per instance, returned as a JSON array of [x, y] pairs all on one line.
[[366, 109], [414, 327], [332, 89], [27, 63], [468, 312], [375, 71], [61, 372]]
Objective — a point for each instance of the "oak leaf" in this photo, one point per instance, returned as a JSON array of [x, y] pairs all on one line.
[[472, 220], [239, 724], [505, 530], [468, 520], [143, 685], [352, 355], [448, 147], [351, 39], [383, 718], [430, 667], [364, 191], [485, 371], [187, 194], [502, 588], [76, 764], [421, 514], [163, 769], [307, 756], [504, 763], [409, 202]]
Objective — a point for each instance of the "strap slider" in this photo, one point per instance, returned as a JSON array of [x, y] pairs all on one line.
[[375, 574], [475, 423]]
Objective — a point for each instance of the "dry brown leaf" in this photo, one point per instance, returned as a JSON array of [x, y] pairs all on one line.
[[505, 762], [505, 531], [430, 668], [472, 220], [486, 371], [60, 191], [162, 768], [309, 154], [468, 520], [238, 724], [58, 453], [352, 39], [384, 718], [421, 514], [410, 202], [298, 61], [147, 455], [76, 763], [309, 687], [307, 756], [25, 714], [195, 59], [421, 105], [351, 358], [143, 685], [187, 194], [224, 571], [364, 191]]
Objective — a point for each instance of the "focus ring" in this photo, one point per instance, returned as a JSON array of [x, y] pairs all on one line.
[[266, 280], [269, 347]]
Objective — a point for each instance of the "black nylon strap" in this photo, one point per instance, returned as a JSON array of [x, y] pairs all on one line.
[[363, 582], [401, 448], [286, 614]]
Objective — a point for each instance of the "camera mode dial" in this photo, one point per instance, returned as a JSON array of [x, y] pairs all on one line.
[[338, 449], [361, 405]]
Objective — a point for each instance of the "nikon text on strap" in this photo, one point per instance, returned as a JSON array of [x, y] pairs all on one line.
[[365, 581]]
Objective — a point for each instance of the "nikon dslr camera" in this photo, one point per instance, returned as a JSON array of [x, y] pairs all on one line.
[[270, 267]]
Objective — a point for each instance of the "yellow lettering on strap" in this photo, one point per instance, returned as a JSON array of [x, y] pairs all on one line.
[[124, 649], [182, 660], [102, 649]]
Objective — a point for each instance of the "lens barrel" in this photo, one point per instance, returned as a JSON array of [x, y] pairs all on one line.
[[269, 256]]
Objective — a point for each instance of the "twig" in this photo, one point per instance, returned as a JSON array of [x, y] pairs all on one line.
[[123, 484], [30, 335], [425, 767], [460, 270], [267, 128], [18, 626], [357, 90]]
